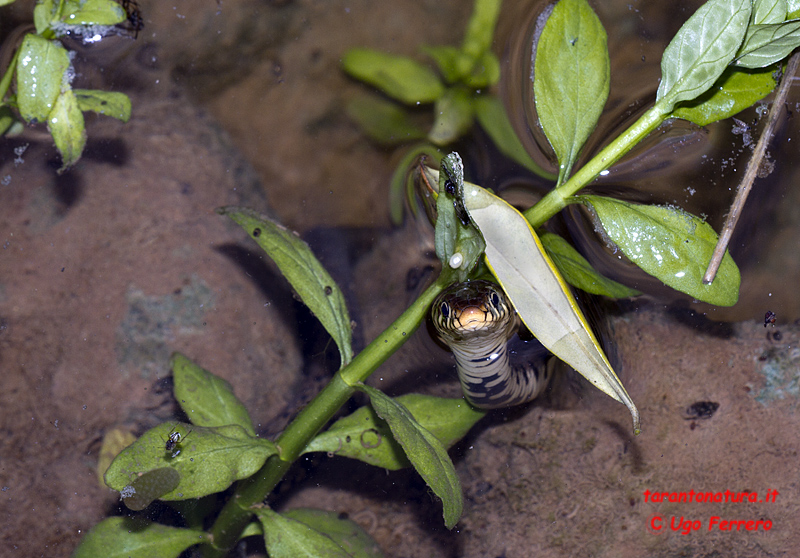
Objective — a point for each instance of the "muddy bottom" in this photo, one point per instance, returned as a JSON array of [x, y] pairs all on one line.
[[565, 477], [109, 268]]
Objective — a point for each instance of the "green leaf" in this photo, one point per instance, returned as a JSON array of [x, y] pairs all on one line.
[[769, 11], [458, 244], [108, 103], [447, 210], [701, 50], [210, 459], [364, 436], [401, 184], [578, 272], [736, 90], [541, 297], [480, 30], [767, 44], [114, 441], [346, 533], [207, 400], [792, 9], [6, 2], [382, 120], [150, 486], [448, 60], [297, 263], [135, 537], [40, 72], [446, 418], [669, 244], [493, 119], [43, 14], [289, 538], [399, 77], [66, 125], [474, 64], [7, 119], [424, 450], [92, 12], [485, 72], [253, 529], [571, 78], [454, 116]]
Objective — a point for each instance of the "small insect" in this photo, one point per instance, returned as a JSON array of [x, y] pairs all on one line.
[[769, 318], [454, 185], [173, 442], [701, 410]]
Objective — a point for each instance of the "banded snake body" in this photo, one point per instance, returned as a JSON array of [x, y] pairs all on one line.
[[476, 321]]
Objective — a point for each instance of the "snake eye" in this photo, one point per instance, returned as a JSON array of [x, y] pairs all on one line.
[[445, 310], [495, 299]]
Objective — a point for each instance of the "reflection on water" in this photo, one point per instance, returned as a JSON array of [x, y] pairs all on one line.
[[695, 168]]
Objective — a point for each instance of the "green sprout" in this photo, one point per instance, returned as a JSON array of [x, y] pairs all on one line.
[[42, 69], [720, 62]]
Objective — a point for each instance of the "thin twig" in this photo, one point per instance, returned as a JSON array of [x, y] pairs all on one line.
[[752, 170]]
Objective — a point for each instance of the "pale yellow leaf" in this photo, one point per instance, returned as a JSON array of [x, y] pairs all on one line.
[[539, 293]]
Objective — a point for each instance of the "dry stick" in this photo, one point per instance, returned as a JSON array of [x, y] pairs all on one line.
[[752, 171]]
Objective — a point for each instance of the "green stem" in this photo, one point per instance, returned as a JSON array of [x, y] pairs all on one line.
[[5, 83], [237, 513], [395, 335], [558, 198]]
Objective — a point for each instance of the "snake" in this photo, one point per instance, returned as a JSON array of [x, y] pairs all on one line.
[[476, 321]]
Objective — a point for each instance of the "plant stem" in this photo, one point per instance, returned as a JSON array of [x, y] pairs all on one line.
[[557, 199], [291, 443], [5, 82], [751, 173]]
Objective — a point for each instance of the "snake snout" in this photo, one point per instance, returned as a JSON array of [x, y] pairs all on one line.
[[473, 318]]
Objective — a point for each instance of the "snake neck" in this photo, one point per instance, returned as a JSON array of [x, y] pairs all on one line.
[[490, 381], [476, 321]]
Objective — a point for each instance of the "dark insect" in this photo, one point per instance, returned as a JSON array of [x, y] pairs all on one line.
[[134, 23], [463, 216], [173, 442], [451, 188], [769, 318], [701, 410]]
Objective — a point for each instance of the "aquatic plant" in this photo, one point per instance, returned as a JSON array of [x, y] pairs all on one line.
[[459, 95], [707, 75], [42, 69]]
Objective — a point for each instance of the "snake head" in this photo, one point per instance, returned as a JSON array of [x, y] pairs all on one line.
[[472, 309]]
